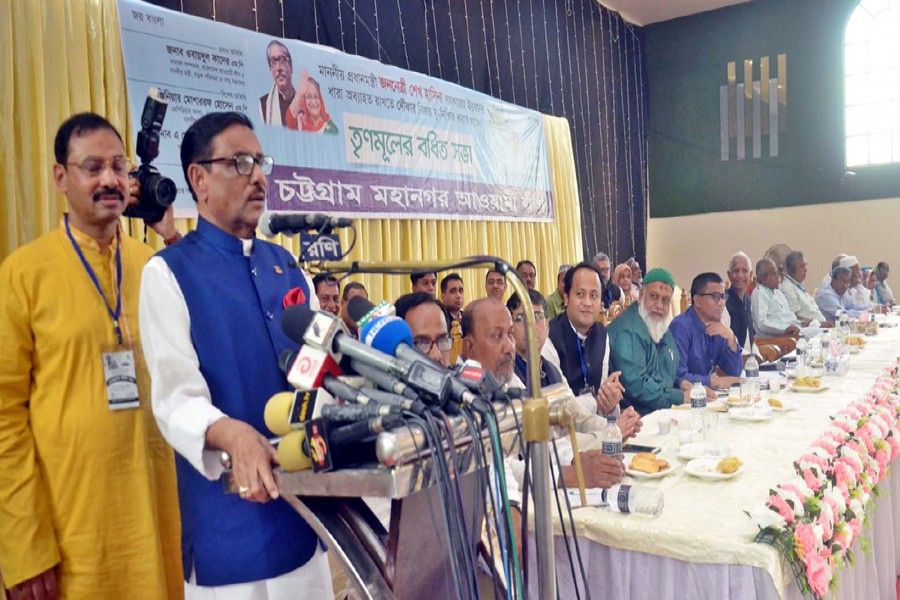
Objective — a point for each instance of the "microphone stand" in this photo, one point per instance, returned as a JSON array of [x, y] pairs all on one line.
[[536, 417]]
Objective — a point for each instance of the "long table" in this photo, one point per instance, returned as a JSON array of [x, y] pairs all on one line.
[[701, 545]]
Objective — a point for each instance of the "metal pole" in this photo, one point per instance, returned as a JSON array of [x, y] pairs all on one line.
[[543, 528]]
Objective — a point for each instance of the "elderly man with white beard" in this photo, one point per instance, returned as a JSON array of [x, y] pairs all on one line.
[[644, 350]]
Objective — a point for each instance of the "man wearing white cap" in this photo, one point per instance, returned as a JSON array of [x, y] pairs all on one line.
[[834, 296]]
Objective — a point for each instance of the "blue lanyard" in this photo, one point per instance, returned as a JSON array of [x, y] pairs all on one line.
[[584, 369], [114, 314]]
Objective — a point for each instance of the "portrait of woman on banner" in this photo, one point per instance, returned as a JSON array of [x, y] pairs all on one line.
[[307, 110]]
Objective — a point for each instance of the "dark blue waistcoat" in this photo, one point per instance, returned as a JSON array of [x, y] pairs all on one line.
[[235, 306]]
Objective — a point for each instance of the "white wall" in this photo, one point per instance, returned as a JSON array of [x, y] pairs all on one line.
[[869, 229]]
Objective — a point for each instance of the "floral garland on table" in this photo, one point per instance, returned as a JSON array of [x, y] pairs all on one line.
[[814, 518]]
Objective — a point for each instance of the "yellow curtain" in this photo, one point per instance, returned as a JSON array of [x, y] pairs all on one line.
[[60, 57]]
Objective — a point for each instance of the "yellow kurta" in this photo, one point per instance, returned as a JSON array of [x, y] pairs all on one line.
[[80, 485]]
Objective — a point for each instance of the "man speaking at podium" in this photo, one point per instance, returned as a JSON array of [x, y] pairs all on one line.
[[210, 313]]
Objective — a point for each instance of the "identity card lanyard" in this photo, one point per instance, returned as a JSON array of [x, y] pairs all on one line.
[[584, 369], [114, 314]]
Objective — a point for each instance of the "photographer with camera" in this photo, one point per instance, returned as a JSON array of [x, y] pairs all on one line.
[[88, 491]]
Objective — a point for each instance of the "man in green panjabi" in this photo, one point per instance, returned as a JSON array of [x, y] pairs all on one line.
[[644, 350]]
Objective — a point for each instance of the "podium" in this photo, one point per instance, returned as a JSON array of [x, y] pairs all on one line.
[[409, 559]]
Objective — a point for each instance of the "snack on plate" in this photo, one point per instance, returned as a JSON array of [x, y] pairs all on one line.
[[775, 403], [646, 462], [732, 400], [855, 341], [729, 465], [810, 382]]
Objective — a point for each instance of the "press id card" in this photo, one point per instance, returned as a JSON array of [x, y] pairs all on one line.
[[121, 379]]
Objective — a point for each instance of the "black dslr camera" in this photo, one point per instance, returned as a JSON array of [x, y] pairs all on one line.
[[157, 192]]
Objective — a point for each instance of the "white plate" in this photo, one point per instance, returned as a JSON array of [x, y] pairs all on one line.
[[814, 372], [658, 475], [753, 414], [703, 450], [808, 390], [729, 403], [788, 405], [705, 468]]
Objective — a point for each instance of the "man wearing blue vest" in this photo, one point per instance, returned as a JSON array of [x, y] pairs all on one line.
[[210, 311]]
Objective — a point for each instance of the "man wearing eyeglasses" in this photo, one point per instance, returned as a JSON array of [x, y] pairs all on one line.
[[274, 105], [210, 311], [428, 322], [87, 492], [704, 341]]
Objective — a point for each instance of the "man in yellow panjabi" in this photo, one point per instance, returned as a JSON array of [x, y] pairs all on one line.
[[88, 500]]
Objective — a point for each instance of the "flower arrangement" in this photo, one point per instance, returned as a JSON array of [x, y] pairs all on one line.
[[814, 518]]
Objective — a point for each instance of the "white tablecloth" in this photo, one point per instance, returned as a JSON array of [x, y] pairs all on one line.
[[701, 546]]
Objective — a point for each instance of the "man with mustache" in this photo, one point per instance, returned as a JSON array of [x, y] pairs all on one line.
[[489, 338], [774, 323], [88, 503], [644, 350], [274, 105], [211, 308], [580, 343]]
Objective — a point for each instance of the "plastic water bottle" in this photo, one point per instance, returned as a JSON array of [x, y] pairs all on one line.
[[825, 350], [751, 372], [698, 408], [802, 358], [611, 442], [637, 499]]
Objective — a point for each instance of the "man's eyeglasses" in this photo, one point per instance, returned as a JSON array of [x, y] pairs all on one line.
[[716, 296], [243, 163], [95, 166], [539, 315], [283, 61], [424, 345]]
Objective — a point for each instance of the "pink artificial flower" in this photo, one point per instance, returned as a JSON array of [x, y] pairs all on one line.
[[842, 488], [842, 426], [805, 542], [827, 530], [895, 446], [854, 527], [842, 539], [781, 507], [817, 575], [811, 480], [827, 445], [882, 457]]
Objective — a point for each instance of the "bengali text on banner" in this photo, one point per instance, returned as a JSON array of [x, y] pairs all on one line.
[[350, 136]]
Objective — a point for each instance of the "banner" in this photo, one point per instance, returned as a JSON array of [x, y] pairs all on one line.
[[350, 136]]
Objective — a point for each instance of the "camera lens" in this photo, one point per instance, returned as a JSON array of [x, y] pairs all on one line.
[[161, 190]]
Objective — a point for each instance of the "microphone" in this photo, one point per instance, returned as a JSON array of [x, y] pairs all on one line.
[[307, 367], [330, 447], [327, 378], [384, 380], [393, 336], [288, 411], [326, 332], [362, 311], [271, 224], [363, 429], [357, 412]]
